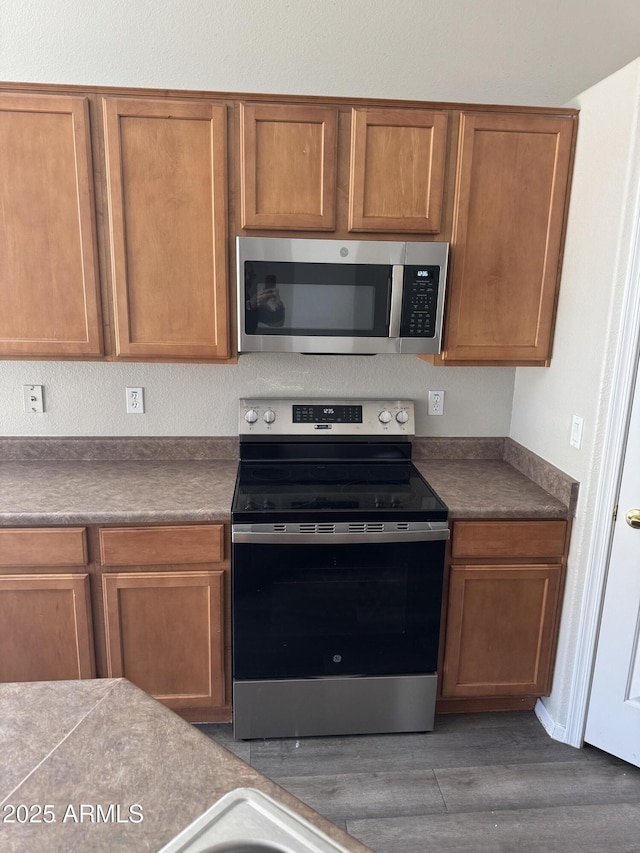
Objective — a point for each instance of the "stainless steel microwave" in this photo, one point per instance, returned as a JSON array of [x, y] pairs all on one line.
[[357, 297]]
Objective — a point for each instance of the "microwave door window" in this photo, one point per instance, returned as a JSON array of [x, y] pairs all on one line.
[[331, 308], [317, 299]]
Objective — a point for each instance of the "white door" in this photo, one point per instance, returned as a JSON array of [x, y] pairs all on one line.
[[613, 717]]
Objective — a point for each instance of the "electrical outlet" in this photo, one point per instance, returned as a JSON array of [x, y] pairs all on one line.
[[576, 432], [435, 403], [135, 401], [33, 399]]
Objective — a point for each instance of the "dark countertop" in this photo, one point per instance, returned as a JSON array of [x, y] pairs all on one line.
[[54, 493], [103, 742], [488, 488], [125, 492], [142, 481]]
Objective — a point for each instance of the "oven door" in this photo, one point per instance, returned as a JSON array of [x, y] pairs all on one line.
[[344, 609]]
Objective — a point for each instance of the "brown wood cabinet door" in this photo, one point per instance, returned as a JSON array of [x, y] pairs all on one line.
[[166, 180], [164, 633], [45, 627], [397, 170], [500, 630], [48, 269], [288, 162], [509, 216]]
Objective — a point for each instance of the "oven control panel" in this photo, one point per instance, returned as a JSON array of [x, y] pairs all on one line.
[[280, 417]]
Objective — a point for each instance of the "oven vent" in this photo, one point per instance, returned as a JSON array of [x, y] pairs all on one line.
[[367, 527], [318, 528], [403, 525], [279, 528]]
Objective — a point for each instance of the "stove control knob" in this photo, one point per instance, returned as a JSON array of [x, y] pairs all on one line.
[[269, 416], [251, 416], [385, 416], [403, 416]]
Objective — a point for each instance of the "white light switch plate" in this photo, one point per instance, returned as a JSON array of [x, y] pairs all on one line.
[[576, 431]]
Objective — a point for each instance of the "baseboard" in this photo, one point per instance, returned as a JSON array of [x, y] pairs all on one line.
[[553, 729]]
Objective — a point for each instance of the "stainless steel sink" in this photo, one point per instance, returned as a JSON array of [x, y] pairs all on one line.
[[248, 821]]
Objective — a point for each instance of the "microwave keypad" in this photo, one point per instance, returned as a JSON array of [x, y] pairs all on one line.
[[420, 300]]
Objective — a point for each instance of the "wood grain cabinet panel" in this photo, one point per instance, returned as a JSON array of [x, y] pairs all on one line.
[[502, 610], [288, 166], [512, 539], [43, 546], [500, 630], [512, 186], [167, 201], [48, 256], [45, 627], [397, 170], [147, 546], [164, 633]]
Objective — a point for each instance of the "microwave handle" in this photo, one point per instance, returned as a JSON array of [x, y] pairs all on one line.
[[397, 276]]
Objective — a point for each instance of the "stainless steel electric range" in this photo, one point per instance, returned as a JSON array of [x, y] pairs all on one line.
[[338, 549]]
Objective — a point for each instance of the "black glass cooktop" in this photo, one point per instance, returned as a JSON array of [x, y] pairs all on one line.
[[333, 491]]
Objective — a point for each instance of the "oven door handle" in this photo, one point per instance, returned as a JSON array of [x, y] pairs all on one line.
[[277, 538]]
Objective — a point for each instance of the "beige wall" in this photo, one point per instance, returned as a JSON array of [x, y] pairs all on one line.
[[89, 399], [497, 51], [595, 270]]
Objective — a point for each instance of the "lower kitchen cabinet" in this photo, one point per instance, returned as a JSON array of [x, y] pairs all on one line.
[[163, 597], [500, 630], [164, 633], [46, 629], [504, 595]]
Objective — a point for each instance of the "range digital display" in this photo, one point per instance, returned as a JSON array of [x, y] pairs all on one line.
[[327, 414]]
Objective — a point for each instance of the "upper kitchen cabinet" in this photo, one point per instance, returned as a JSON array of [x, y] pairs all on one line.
[[288, 162], [167, 206], [510, 204], [396, 179], [48, 269]]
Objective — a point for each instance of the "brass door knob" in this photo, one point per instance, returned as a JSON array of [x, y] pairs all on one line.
[[633, 518]]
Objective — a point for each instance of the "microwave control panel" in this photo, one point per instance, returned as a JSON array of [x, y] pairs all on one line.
[[419, 301]]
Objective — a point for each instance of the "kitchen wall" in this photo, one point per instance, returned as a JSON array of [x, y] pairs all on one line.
[[497, 51], [602, 216], [89, 398]]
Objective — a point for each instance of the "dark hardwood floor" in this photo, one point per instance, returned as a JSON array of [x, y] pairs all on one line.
[[479, 783]]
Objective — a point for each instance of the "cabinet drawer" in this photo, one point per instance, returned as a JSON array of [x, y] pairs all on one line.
[[53, 546], [150, 546], [528, 539]]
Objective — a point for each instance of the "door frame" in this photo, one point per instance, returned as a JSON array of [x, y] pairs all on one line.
[[625, 367]]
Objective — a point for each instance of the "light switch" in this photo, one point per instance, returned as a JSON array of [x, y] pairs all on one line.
[[576, 432]]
